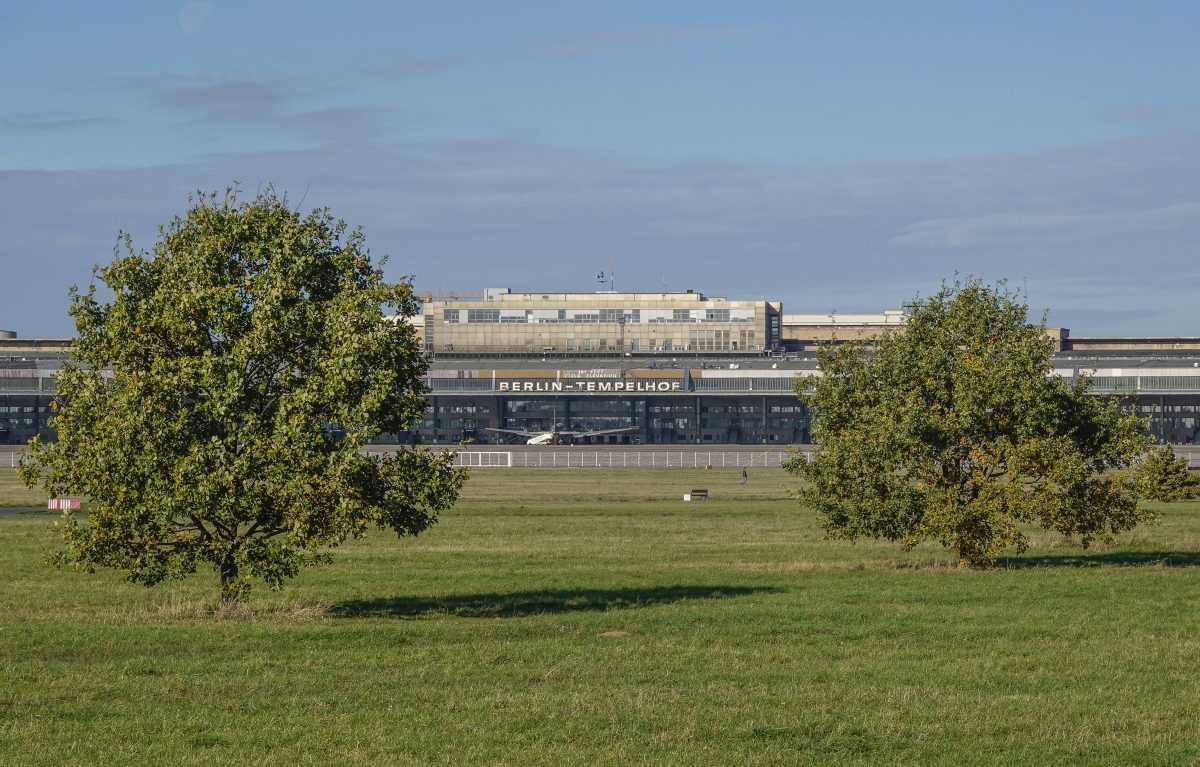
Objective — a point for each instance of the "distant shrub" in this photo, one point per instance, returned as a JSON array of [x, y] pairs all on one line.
[[1162, 476]]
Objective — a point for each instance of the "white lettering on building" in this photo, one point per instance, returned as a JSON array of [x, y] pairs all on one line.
[[589, 386], [551, 386]]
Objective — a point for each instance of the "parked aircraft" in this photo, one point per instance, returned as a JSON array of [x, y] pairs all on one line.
[[556, 436]]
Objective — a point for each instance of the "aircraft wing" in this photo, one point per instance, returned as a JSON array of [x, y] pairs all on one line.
[[597, 432], [518, 432]]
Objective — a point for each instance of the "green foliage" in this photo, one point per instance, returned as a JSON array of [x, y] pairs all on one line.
[[214, 410], [1161, 476], [953, 430]]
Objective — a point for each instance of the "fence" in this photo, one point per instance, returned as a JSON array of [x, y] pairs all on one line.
[[657, 459], [602, 459], [624, 459], [477, 459], [613, 459]]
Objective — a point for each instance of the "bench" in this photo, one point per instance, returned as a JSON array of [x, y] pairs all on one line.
[[699, 494]]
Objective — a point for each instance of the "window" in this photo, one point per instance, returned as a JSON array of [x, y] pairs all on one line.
[[483, 315]]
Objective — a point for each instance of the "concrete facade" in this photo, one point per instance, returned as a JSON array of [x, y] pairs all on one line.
[[27, 368], [600, 323], [1150, 344], [805, 332]]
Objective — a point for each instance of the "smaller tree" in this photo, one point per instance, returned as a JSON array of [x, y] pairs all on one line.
[[954, 430], [1163, 476], [215, 410]]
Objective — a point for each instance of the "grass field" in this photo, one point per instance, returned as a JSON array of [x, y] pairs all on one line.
[[13, 493], [590, 617]]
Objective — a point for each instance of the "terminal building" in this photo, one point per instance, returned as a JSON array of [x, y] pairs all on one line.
[[675, 368], [502, 322]]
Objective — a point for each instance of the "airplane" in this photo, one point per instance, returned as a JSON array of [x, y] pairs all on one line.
[[556, 436]]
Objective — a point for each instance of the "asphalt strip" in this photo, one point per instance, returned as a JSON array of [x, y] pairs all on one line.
[[12, 511]]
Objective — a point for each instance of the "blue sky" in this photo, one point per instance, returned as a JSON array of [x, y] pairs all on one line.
[[834, 156]]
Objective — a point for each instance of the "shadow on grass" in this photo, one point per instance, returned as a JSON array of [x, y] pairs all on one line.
[[536, 602], [1104, 559]]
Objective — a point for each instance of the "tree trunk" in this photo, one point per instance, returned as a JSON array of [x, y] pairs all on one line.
[[231, 587]]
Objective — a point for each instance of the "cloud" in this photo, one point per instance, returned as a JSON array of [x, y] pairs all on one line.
[[585, 44], [38, 122], [1107, 227], [1157, 114], [394, 65], [339, 123], [224, 99], [1021, 228], [265, 101]]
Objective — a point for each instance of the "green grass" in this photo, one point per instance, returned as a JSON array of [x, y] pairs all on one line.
[[590, 617], [14, 494]]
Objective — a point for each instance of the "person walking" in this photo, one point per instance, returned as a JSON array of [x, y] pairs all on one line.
[[745, 477]]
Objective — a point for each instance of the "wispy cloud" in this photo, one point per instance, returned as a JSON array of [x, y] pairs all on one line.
[[1159, 115], [349, 123], [38, 122], [1019, 228], [584, 44], [394, 65], [224, 99], [265, 101]]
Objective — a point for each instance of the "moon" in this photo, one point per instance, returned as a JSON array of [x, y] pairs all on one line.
[[194, 17]]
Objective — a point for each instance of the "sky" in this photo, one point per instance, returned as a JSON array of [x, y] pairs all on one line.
[[843, 157]]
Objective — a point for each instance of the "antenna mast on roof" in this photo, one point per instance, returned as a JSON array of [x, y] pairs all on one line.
[[610, 278]]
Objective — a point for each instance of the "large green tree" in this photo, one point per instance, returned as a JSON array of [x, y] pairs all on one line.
[[953, 430], [214, 410]]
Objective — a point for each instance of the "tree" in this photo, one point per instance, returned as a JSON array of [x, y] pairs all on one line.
[[214, 411], [1162, 476], [953, 430]]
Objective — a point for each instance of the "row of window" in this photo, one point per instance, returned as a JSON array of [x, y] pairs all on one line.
[[1145, 383], [461, 409], [611, 316], [730, 408], [719, 340], [26, 384]]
